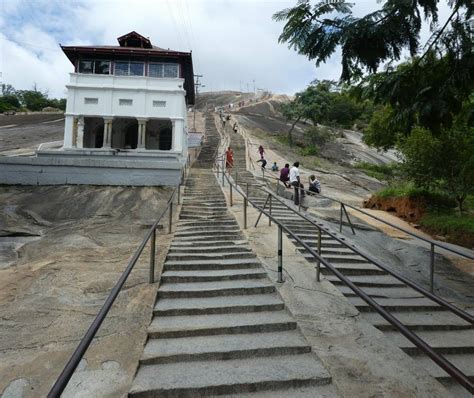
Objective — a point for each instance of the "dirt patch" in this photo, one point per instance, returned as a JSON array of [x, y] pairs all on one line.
[[409, 209]]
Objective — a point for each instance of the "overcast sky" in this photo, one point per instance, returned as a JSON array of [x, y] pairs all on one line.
[[233, 42]]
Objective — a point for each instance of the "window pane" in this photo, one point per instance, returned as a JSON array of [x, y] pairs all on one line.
[[121, 68], [171, 70], [102, 67], [85, 66], [155, 70], [136, 68]]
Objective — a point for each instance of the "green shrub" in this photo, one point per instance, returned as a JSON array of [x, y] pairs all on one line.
[[448, 223], [379, 171], [309, 150]]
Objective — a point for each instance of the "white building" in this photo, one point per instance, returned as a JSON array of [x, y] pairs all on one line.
[[125, 120]]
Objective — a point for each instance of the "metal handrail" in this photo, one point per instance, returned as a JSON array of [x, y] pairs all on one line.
[[85, 342], [452, 370]]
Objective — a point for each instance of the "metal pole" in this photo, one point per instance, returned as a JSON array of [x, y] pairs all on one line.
[[245, 213], [179, 194], [261, 211], [236, 178], [223, 171], [230, 192], [247, 190], [432, 259], [340, 219], [318, 264], [270, 207], [280, 255], [152, 257], [348, 219], [171, 217]]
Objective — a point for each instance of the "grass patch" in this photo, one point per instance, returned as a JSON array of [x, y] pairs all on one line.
[[379, 171]]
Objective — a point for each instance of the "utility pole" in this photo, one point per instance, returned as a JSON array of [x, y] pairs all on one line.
[[196, 86]]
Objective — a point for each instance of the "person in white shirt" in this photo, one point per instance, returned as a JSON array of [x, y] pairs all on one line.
[[314, 184], [296, 182]]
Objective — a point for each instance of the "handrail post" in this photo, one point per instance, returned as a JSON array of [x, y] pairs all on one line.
[[318, 264], [245, 212], [432, 259], [223, 170], [340, 219], [261, 211], [348, 219], [171, 217], [270, 211], [280, 255], [247, 190], [152, 256], [230, 194], [179, 194], [236, 178]]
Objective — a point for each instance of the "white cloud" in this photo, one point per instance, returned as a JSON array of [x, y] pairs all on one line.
[[233, 42]]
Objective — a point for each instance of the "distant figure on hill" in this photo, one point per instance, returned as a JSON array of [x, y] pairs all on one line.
[[263, 161], [235, 127], [229, 158], [261, 151], [314, 184], [274, 166], [285, 175]]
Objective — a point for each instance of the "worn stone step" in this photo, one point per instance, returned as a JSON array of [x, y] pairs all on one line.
[[210, 227], [438, 320], [368, 280], [204, 325], [233, 376], [336, 258], [384, 292], [227, 248], [211, 264], [210, 256], [351, 270], [224, 347], [326, 391], [464, 362], [397, 304], [219, 305], [212, 275], [202, 234], [217, 288], [209, 238], [183, 243], [206, 223], [443, 342]]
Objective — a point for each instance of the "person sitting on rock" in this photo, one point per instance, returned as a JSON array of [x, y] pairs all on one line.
[[314, 184], [274, 166], [285, 175]]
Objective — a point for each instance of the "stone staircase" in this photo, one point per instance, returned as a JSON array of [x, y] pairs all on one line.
[[219, 326], [445, 332]]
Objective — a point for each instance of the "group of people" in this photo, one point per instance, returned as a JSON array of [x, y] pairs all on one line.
[[291, 177]]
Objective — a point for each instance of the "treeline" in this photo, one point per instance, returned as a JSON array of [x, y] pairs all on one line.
[[423, 107], [27, 100]]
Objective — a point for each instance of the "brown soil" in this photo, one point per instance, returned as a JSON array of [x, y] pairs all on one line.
[[409, 209]]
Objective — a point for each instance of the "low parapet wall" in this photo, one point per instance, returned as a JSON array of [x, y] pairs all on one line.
[[86, 171]]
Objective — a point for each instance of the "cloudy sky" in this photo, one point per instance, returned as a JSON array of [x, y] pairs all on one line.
[[233, 42]]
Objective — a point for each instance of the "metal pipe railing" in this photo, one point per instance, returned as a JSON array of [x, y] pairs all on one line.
[[85, 342], [452, 370]]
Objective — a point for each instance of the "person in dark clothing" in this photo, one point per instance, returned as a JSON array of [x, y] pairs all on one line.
[[285, 175], [263, 161]]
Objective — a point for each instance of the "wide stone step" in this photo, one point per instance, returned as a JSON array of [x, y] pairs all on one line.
[[396, 304], [209, 249], [209, 256], [464, 362], [211, 264], [336, 258], [212, 275], [384, 292], [206, 325], [368, 280], [349, 269], [216, 232], [443, 342], [438, 320], [185, 243], [212, 289], [224, 347], [197, 229], [219, 305], [207, 237], [233, 376]]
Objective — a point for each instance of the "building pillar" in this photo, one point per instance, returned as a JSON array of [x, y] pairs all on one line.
[[80, 132], [178, 133], [68, 132], [107, 142], [141, 133]]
